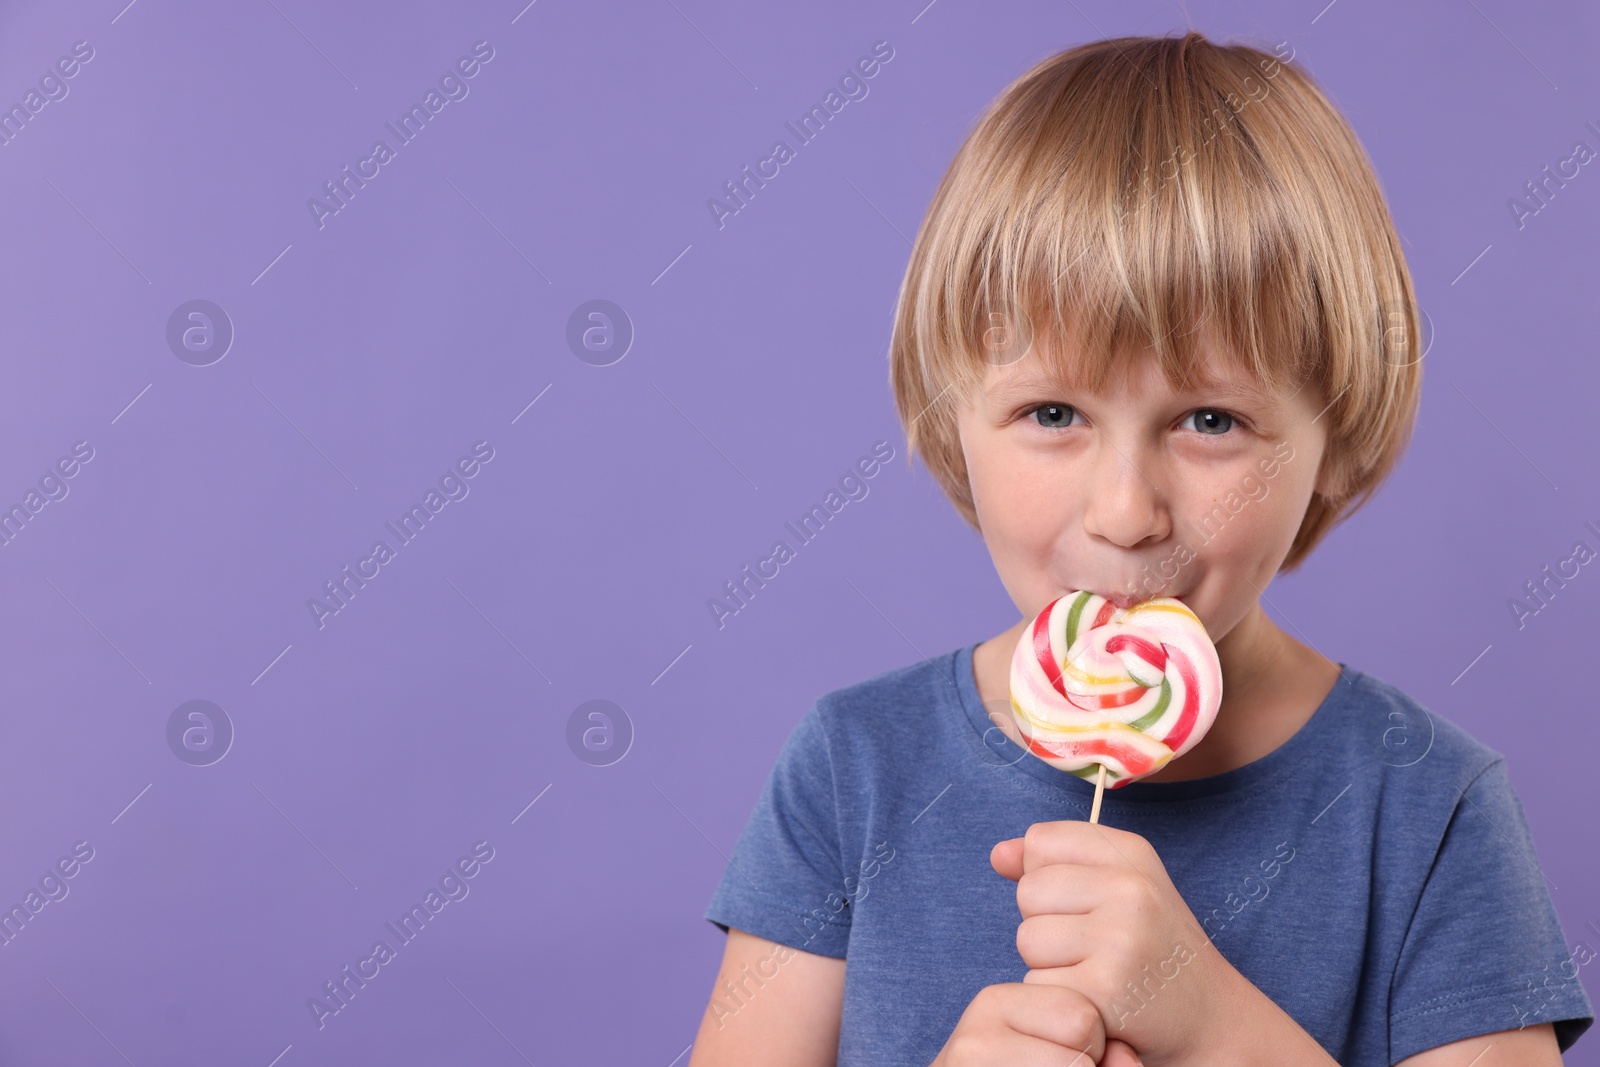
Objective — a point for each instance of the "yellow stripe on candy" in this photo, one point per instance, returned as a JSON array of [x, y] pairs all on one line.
[[1176, 606], [1044, 726], [1077, 675]]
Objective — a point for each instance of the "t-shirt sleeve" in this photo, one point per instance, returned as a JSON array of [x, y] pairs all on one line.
[[1485, 951], [785, 879]]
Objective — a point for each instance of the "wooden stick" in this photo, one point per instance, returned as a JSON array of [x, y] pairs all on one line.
[[1099, 788]]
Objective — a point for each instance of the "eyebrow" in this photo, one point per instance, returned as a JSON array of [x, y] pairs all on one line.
[[1237, 389]]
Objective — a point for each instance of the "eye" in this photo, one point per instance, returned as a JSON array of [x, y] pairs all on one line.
[[1212, 422], [1209, 422], [1053, 416]]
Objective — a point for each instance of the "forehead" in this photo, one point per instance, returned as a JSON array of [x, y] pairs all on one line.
[[1211, 376]]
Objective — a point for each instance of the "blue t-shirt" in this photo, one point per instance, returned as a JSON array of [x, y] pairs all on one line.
[[1373, 875]]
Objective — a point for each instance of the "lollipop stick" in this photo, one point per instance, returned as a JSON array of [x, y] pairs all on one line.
[[1099, 788]]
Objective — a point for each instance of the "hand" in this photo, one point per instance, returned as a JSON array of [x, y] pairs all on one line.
[[1037, 1025], [1101, 917]]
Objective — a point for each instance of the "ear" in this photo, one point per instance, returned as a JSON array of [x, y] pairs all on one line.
[[1333, 477]]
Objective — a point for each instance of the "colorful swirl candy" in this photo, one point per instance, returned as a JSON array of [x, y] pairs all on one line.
[[1094, 685]]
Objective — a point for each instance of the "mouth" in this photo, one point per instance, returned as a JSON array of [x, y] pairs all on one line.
[[1127, 601]]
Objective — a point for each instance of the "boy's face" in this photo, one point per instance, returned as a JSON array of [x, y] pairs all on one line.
[[1140, 491]]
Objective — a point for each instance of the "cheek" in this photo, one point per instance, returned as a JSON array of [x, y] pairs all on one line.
[[986, 480], [1017, 517], [1226, 524], [1021, 503]]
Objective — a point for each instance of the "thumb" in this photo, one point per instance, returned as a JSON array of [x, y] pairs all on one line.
[[1006, 858], [1119, 1054]]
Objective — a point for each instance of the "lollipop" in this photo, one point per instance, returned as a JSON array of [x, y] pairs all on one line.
[[1112, 693]]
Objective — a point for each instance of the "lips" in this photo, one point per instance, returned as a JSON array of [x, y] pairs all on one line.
[[1125, 601]]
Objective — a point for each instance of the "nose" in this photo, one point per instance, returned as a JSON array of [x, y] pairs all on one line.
[[1126, 504]]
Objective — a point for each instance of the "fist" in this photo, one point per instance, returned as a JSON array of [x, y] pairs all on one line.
[[1101, 917], [1042, 1025]]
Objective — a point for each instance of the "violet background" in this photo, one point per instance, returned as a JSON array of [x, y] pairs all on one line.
[[371, 353]]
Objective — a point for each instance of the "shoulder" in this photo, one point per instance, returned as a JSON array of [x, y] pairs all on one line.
[[912, 681], [868, 722], [1413, 723], [1417, 751]]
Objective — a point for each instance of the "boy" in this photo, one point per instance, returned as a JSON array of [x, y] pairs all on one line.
[[1156, 338]]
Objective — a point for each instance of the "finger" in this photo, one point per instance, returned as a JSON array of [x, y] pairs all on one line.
[[1064, 889], [1022, 1050], [1120, 1054], [1056, 940], [1054, 1013], [1074, 841], [1006, 858]]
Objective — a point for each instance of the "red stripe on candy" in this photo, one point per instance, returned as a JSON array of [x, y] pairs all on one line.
[[1122, 698], [1096, 749], [1041, 651], [1191, 699], [1152, 654]]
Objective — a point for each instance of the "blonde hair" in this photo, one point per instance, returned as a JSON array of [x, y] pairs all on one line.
[[1127, 192]]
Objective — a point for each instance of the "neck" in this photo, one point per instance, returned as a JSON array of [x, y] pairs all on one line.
[[1257, 669]]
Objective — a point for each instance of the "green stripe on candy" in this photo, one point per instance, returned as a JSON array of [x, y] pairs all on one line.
[[1072, 619], [1147, 720]]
